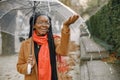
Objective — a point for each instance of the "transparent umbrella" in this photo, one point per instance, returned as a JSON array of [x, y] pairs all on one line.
[[14, 18]]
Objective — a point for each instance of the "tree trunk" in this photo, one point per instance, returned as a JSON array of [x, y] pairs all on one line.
[[8, 45]]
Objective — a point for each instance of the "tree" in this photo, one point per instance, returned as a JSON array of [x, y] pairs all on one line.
[[8, 29]]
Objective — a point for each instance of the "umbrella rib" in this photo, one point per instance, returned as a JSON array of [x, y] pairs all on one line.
[[21, 3], [28, 12], [22, 8], [14, 9], [30, 2], [46, 6], [37, 3]]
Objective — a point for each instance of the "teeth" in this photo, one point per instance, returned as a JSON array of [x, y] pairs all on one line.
[[44, 30]]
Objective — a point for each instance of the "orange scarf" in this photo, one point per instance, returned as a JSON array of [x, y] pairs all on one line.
[[44, 66]]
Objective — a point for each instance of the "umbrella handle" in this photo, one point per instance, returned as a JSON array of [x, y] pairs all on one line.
[[31, 44], [29, 68], [34, 8]]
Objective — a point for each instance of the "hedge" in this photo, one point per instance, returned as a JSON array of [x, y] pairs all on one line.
[[104, 26]]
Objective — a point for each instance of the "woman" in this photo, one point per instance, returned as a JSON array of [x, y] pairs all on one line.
[[45, 47]]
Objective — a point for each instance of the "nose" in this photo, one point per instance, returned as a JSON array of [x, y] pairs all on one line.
[[45, 24]]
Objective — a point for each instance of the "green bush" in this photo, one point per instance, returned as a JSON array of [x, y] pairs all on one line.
[[104, 26]]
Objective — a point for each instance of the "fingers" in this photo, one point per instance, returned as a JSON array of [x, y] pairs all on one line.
[[31, 60], [74, 18], [71, 19]]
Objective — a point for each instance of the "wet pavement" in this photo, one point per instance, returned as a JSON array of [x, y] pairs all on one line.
[[89, 70], [8, 68], [92, 67], [99, 70]]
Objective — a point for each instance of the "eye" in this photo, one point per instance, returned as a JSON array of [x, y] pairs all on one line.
[[43, 23], [40, 22]]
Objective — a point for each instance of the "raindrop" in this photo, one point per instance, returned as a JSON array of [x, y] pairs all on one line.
[[91, 58], [109, 67]]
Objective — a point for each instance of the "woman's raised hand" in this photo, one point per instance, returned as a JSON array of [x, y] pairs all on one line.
[[71, 20]]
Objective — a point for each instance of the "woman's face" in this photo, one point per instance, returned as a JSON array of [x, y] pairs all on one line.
[[42, 25]]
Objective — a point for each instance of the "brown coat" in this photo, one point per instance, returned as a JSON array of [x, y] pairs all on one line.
[[61, 48]]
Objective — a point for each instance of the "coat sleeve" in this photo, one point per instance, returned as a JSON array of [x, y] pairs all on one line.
[[62, 44], [22, 64]]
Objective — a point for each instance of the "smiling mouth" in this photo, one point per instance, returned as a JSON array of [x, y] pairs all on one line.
[[44, 30]]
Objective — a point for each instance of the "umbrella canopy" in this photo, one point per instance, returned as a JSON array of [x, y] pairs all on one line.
[[17, 12]]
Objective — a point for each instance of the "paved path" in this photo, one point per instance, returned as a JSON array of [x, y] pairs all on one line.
[[99, 70], [91, 50], [8, 68], [91, 67]]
